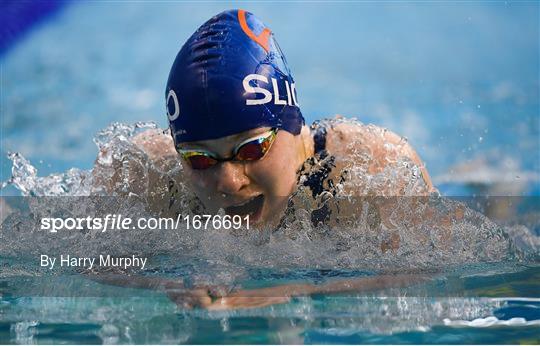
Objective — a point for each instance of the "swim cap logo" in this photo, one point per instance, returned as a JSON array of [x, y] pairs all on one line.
[[262, 39], [175, 113], [268, 96]]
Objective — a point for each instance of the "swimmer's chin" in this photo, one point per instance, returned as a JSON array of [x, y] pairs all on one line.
[[270, 214]]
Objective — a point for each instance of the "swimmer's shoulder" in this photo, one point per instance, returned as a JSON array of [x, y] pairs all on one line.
[[155, 142], [346, 136], [375, 146], [158, 145]]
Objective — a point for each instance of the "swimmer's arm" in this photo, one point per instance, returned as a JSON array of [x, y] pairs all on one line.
[[220, 298], [174, 288], [261, 297], [209, 297]]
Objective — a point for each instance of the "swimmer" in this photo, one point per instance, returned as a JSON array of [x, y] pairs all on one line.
[[237, 129], [237, 132]]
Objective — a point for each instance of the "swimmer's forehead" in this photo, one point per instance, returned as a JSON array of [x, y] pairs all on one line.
[[228, 140]]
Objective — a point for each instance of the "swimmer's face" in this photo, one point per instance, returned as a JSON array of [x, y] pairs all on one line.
[[258, 188]]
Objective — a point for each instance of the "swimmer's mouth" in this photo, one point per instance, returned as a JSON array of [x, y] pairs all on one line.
[[251, 207]]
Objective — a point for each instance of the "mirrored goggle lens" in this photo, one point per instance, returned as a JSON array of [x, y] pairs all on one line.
[[250, 151], [255, 149], [200, 161]]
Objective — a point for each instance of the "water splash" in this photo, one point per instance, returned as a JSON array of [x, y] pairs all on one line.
[[491, 321], [375, 232], [74, 182]]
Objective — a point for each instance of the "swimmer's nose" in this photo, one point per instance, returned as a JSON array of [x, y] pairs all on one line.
[[231, 177]]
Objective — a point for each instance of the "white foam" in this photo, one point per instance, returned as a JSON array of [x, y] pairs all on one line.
[[491, 321], [360, 241], [488, 169], [518, 299]]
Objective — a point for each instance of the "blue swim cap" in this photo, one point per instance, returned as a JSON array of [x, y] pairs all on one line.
[[230, 77]]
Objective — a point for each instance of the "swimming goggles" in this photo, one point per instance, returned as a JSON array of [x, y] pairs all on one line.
[[253, 148]]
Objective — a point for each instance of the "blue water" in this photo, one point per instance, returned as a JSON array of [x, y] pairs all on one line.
[[422, 314], [460, 80]]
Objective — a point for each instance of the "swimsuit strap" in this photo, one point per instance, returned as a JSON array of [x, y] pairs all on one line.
[[319, 137]]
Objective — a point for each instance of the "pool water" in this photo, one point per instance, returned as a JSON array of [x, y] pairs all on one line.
[[481, 309], [460, 80]]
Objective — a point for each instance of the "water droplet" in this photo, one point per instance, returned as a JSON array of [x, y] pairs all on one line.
[[478, 106], [480, 139], [224, 323]]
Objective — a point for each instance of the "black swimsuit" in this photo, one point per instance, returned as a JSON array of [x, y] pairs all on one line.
[[315, 178], [319, 137], [316, 173]]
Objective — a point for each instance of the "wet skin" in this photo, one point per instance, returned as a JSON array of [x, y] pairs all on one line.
[[274, 177], [232, 184]]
